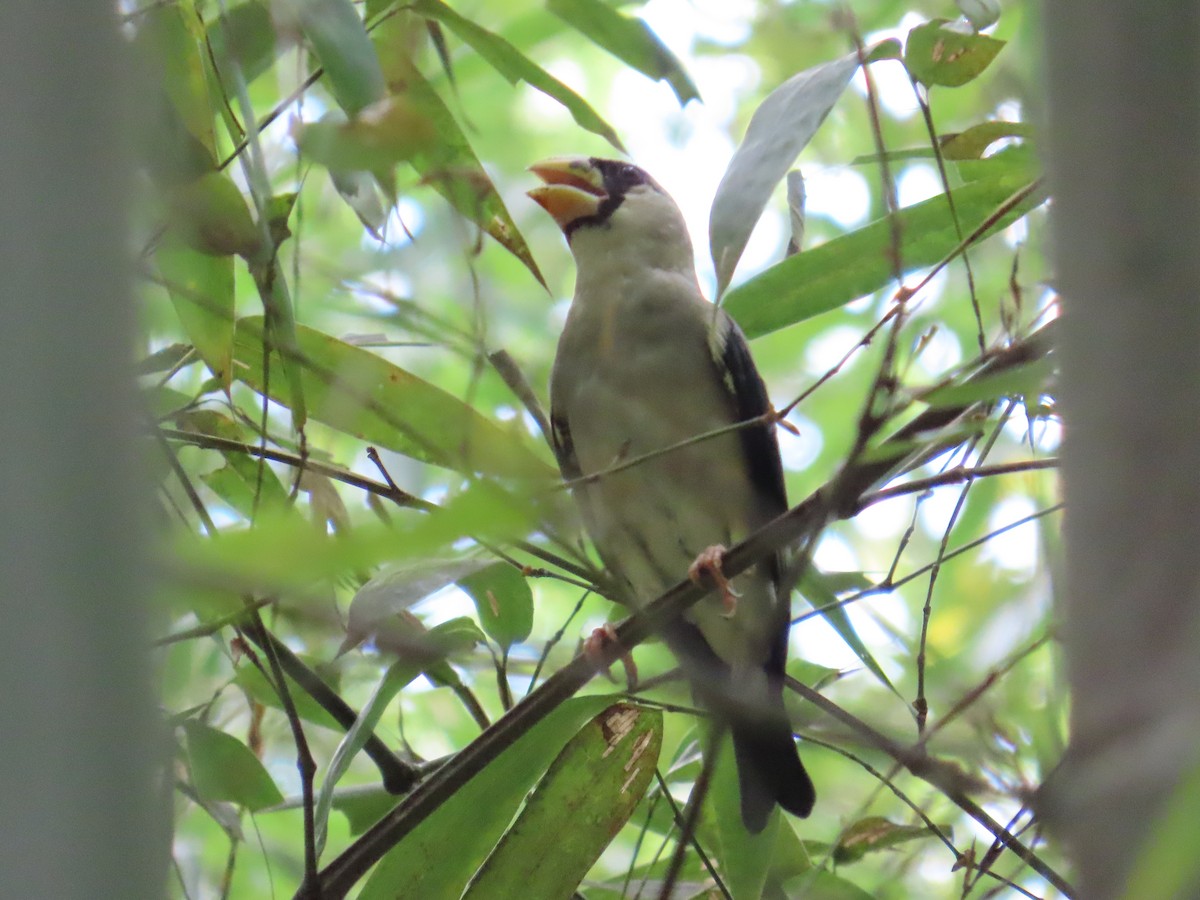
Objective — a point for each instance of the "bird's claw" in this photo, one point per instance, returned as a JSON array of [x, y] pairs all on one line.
[[593, 649], [709, 564]]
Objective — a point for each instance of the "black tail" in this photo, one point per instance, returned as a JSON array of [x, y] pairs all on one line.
[[770, 772]]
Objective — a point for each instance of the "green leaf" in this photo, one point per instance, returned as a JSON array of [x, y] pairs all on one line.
[[516, 66], [398, 675], [577, 808], [439, 856], [780, 128], [972, 143], [285, 554], [210, 214], [363, 807], [224, 769], [744, 857], [201, 290], [858, 263], [629, 40], [503, 601], [255, 683], [1025, 380], [380, 136], [361, 394], [875, 833], [450, 167], [826, 885], [243, 478], [245, 35], [339, 40], [396, 589], [175, 54], [938, 53]]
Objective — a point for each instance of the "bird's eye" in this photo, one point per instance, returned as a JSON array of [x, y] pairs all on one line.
[[630, 174]]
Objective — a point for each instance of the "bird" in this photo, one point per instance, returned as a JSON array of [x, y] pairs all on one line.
[[645, 364]]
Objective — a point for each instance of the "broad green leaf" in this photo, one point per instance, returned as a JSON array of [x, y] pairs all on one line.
[[287, 555], [628, 39], [176, 54], [209, 214], [826, 885], [972, 143], [362, 394], [164, 360], [577, 808], [254, 683], [875, 833], [780, 128], [396, 589], [224, 769], [515, 66], [241, 480], [503, 601], [245, 35], [1026, 380], [338, 38], [858, 263], [450, 167], [201, 290], [939, 53], [744, 857], [439, 856], [363, 807], [380, 136], [398, 675]]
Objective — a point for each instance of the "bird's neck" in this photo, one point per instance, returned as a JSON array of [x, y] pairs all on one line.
[[606, 261]]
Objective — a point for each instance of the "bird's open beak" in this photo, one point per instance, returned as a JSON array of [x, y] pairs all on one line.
[[573, 188]]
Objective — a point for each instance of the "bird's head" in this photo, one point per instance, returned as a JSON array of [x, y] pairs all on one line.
[[607, 206]]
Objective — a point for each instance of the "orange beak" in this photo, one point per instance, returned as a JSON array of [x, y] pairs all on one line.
[[573, 188]]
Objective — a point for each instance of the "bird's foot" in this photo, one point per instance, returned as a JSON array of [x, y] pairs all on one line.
[[593, 649], [709, 564]]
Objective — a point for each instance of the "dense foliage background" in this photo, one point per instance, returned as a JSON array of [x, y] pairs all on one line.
[[341, 185]]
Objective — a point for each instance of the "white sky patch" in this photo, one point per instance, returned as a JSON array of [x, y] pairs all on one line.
[[688, 149], [724, 21], [1017, 233], [933, 291], [940, 353], [827, 349], [1047, 433], [1009, 111], [765, 246], [839, 194], [799, 451], [1015, 550], [917, 182], [538, 108], [892, 87], [442, 606], [833, 554], [558, 312], [885, 521], [385, 282], [936, 509]]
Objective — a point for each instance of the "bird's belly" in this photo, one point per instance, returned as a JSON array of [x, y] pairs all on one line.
[[667, 503]]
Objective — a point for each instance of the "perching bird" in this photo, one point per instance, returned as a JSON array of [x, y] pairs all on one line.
[[645, 363]]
